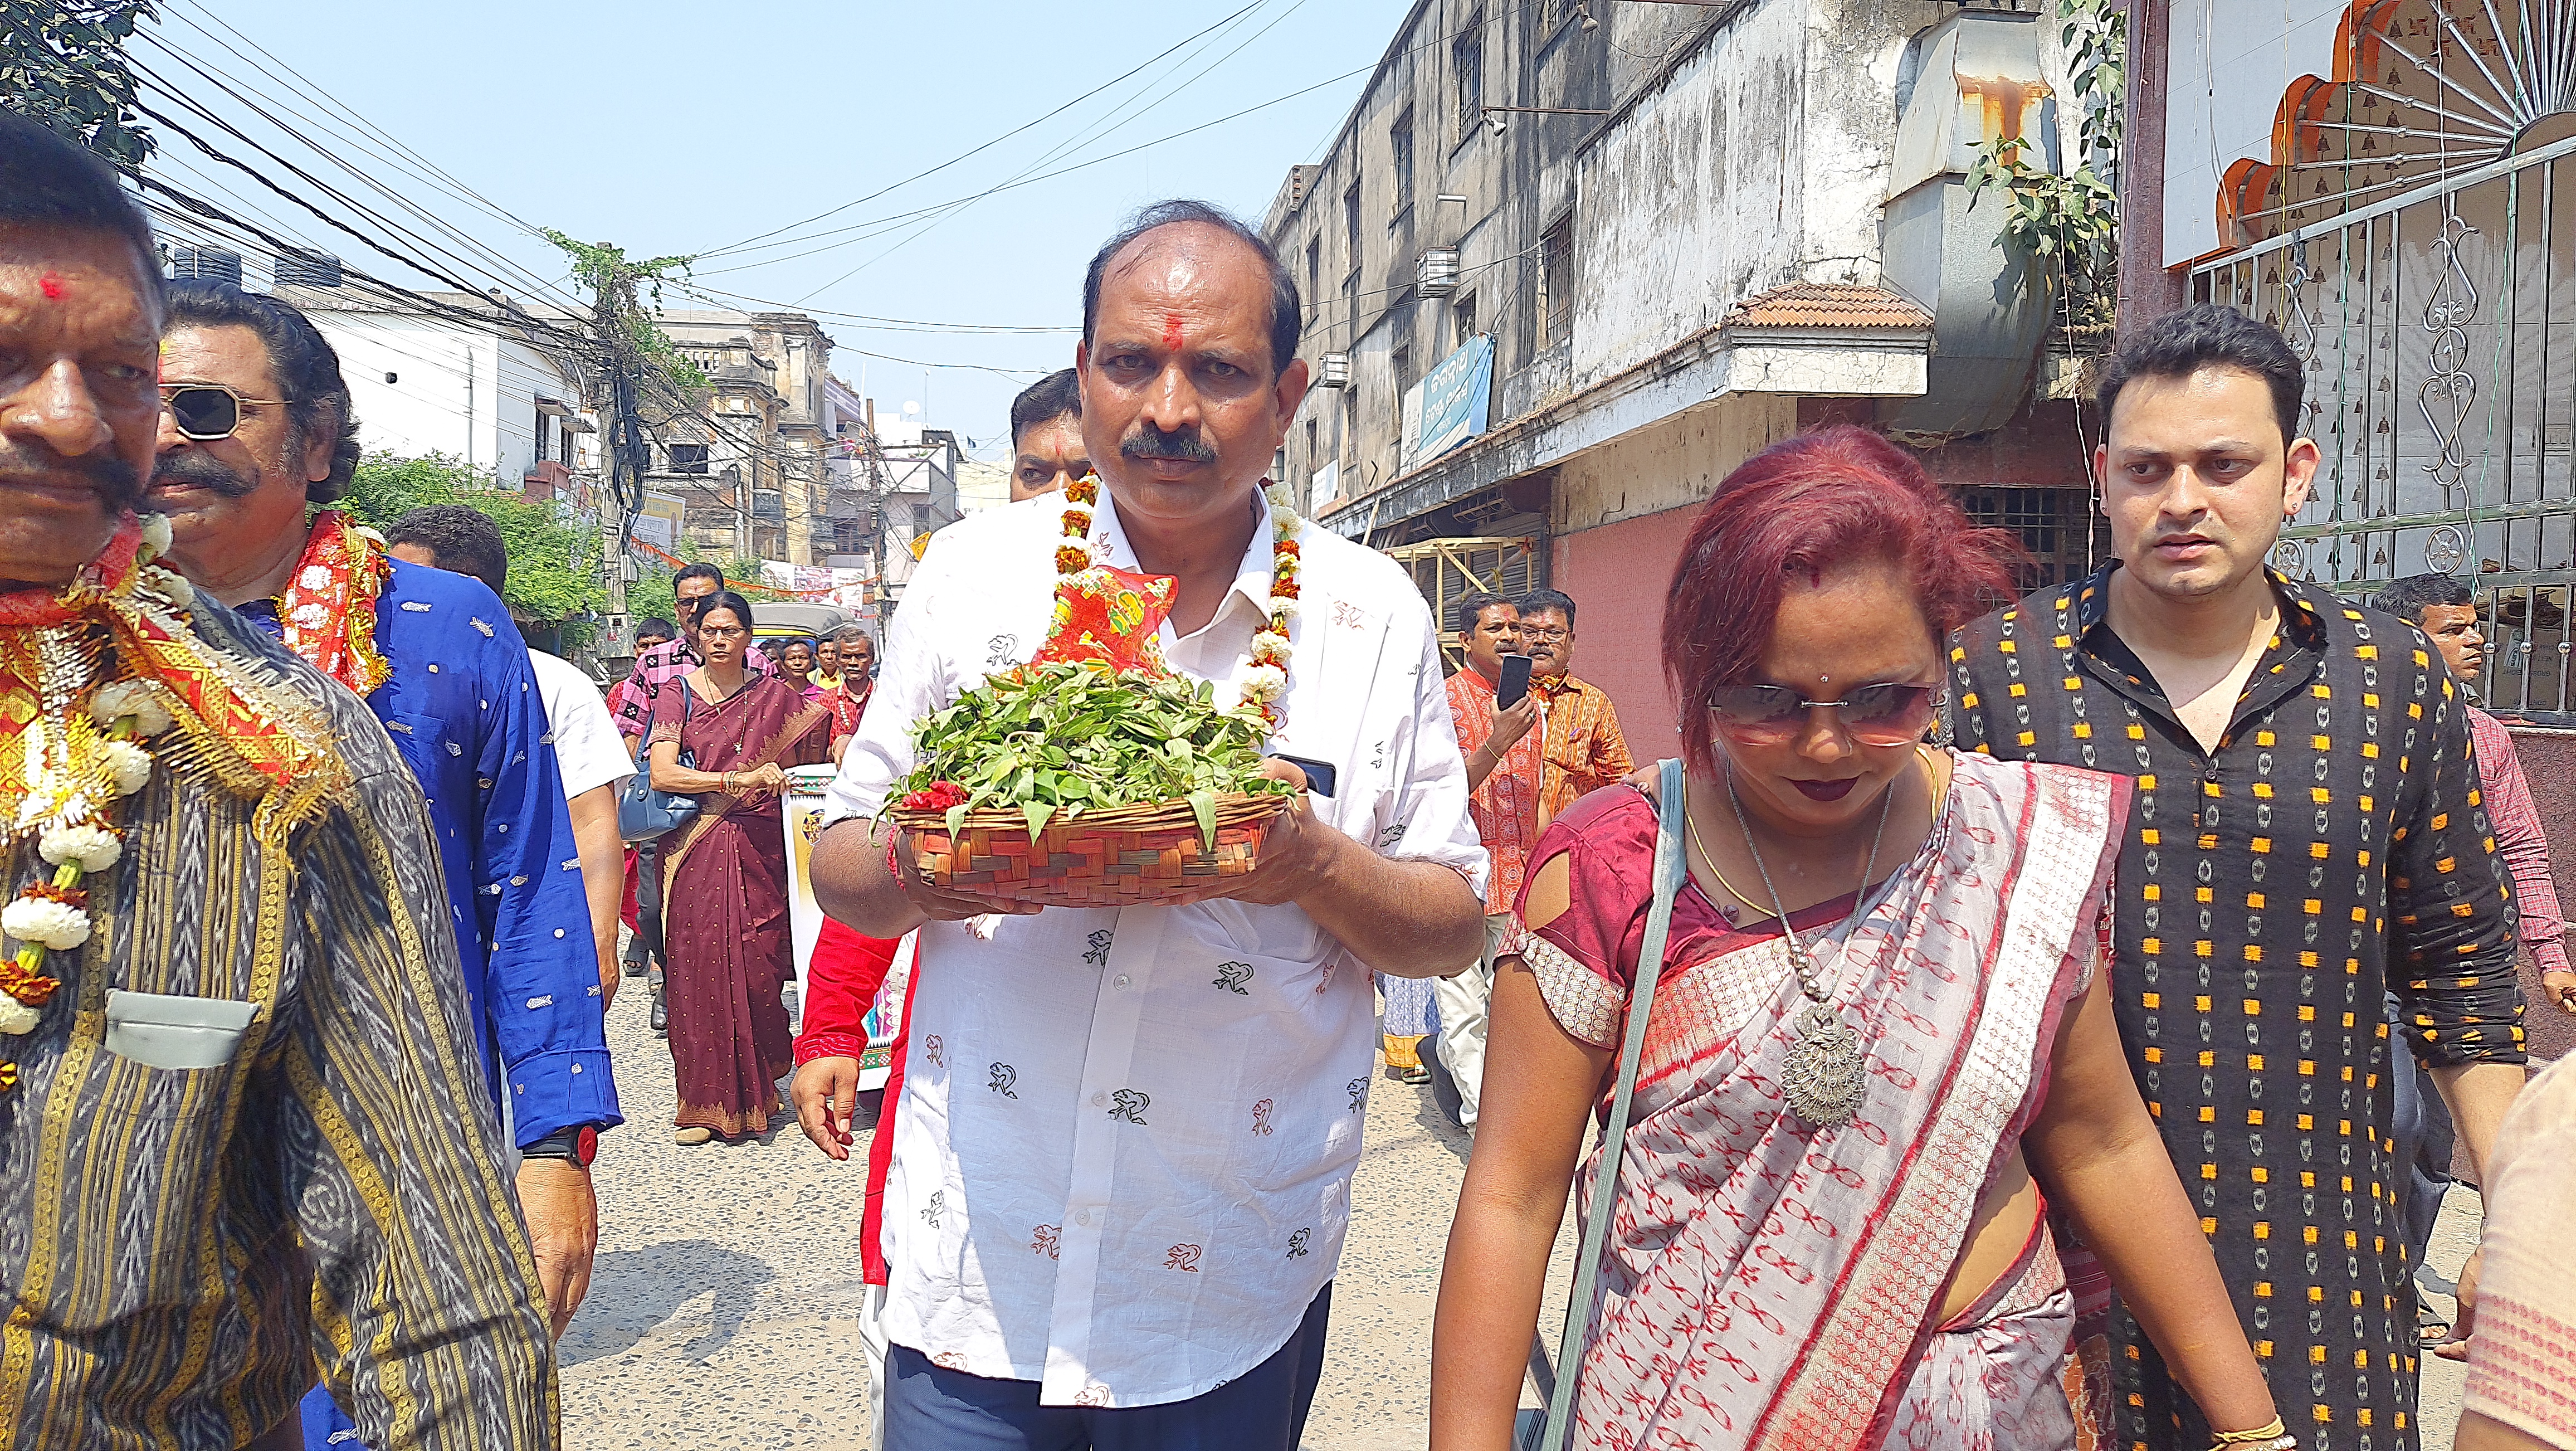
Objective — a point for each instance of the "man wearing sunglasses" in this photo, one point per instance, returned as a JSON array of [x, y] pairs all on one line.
[[438, 659], [2307, 835]]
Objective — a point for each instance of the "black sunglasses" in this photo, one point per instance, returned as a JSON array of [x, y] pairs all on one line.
[[207, 411]]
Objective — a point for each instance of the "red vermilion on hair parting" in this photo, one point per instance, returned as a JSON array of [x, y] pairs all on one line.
[[1807, 505]]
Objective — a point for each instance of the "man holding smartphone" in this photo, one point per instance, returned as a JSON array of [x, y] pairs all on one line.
[[1499, 722]]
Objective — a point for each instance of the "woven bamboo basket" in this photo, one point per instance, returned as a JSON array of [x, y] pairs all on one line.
[[1119, 856]]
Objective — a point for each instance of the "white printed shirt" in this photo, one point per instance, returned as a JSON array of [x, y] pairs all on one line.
[[1123, 1154]]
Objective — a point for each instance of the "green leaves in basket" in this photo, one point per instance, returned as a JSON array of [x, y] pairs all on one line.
[[1203, 806], [1057, 741]]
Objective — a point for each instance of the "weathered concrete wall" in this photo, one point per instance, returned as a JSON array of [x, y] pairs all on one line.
[[1694, 198], [1761, 159], [1672, 464]]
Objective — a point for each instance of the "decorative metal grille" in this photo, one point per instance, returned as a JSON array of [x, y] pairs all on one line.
[[2418, 248]]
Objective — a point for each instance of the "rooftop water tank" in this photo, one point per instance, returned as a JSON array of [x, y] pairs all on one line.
[[215, 263], [305, 269]]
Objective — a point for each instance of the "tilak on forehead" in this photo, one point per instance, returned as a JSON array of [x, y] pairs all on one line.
[[51, 284], [1172, 331]]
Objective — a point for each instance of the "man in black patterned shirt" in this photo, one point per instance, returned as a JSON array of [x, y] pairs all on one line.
[[2308, 834]]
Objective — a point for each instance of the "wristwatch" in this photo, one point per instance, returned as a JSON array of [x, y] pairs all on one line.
[[579, 1144]]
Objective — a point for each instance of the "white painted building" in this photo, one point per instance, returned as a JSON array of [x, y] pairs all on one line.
[[424, 383]]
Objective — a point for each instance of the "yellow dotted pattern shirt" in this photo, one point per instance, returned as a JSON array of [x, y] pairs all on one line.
[[2272, 895]]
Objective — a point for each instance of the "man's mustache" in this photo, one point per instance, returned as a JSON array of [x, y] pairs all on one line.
[[119, 485], [1149, 442], [200, 471]]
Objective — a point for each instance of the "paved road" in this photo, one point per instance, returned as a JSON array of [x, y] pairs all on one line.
[[724, 1310]]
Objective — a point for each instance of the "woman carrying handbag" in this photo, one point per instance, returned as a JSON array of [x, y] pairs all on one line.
[[1850, 988]]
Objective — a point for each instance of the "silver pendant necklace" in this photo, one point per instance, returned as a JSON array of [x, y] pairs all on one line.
[[1826, 1077]]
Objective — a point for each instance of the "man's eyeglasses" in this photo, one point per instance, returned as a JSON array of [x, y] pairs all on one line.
[[1890, 714], [1545, 637], [207, 411]]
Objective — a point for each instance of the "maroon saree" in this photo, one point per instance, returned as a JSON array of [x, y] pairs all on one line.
[[724, 894]]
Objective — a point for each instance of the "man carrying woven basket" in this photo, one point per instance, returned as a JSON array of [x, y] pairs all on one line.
[[1123, 1153]]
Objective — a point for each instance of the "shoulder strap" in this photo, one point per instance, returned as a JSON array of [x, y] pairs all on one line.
[[1671, 807]]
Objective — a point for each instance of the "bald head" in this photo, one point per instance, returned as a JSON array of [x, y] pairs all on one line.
[[1201, 235]]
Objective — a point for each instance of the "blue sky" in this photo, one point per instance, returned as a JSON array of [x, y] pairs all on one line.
[[671, 128]]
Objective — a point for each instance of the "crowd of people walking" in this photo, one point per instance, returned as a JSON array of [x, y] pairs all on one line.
[[2029, 1024]]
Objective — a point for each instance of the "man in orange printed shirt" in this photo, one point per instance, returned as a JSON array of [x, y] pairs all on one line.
[[1504, 751], [1583, 748]]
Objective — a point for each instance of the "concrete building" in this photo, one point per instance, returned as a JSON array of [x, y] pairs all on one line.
[[982, 486], [1567, 265], [890, 483], [749, 462], [484, 381]]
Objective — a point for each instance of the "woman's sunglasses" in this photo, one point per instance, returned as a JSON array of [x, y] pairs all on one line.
[[207, 411], [1890, 714]]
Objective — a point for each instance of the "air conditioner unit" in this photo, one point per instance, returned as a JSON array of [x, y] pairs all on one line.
[[1436, 274], [1333, 370]]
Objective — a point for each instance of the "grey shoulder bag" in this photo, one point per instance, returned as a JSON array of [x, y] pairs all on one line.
[[1671, 810]]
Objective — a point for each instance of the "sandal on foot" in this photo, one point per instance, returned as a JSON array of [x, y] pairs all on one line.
[[693, 1135]]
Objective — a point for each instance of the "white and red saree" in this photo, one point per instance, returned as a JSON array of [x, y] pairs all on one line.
[[1766, 1285]]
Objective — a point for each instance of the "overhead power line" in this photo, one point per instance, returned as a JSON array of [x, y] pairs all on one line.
[[856, 232], [1107, 125], [976, 150]]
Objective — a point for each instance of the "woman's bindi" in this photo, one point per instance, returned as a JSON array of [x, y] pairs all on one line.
[[51, 284]]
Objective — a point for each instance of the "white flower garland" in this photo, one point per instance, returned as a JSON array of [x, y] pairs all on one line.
[[81, 760]]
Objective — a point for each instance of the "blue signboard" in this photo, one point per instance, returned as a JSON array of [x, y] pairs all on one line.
[[1456, 397]]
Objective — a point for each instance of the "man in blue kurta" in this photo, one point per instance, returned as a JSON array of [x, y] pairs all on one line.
[[256, 428]]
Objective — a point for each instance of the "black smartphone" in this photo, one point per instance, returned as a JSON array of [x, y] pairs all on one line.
[[1516, 669], [1319, 774]]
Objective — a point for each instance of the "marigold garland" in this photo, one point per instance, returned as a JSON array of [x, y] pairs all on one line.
[[329, 606], [1265, 682]]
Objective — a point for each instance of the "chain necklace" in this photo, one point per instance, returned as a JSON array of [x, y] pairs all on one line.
[[1825, 1076], [1710, 858]]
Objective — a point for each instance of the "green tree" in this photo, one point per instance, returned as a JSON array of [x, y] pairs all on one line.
[[655, 597], [2067, 227], [548, 579], [63, 63]]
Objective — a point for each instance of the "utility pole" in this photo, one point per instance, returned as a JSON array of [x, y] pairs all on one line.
[[634, 353]]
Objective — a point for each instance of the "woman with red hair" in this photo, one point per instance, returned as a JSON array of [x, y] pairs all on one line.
[[1879, 1047]]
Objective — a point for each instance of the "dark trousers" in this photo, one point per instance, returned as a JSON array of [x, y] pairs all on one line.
[[647, 946], [1264, 1409], [2425, 1137]]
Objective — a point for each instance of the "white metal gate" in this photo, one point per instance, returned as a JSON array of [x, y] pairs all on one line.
[[2415, 239]]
